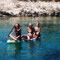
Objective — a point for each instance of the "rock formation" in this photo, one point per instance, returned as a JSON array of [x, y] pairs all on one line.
[[23, 8]]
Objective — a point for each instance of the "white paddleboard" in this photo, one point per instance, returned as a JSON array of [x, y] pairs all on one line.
[[12, 41], [33, 39]]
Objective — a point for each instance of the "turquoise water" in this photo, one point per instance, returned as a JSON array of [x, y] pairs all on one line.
[[46, 48]]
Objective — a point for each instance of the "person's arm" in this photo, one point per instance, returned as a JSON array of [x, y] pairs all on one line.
[[17, 37], [35, 31], [19, 29], [12, 32], [27, 29]]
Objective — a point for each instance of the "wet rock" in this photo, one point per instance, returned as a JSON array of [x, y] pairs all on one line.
[[52, 14], [57, 14], [2, 13]]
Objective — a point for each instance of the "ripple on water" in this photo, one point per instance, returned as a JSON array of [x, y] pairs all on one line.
[[47, 48]]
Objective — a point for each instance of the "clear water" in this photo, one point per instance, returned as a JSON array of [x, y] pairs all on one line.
[[46, 48]]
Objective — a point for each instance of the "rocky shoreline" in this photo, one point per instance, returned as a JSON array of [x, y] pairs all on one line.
[[16, 8]]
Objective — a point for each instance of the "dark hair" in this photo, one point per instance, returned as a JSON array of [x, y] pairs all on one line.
[[15, 26]]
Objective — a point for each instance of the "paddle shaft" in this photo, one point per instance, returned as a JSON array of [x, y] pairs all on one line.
[[10, 32]]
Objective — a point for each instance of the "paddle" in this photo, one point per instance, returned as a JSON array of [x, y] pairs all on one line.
[[9, 33]]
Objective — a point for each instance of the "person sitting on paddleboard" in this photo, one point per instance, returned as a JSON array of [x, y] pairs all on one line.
[[37, 30], [17, 31], [30, 30]]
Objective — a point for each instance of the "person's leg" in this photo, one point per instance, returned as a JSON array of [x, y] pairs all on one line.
[[18, 37], [24, 36], [29, 36], [34, 35]]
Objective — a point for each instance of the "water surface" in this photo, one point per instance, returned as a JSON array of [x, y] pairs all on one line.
[[46, 48]]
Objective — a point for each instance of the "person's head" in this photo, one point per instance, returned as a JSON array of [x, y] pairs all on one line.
[[37, 24], [17, 25], [30, 24]]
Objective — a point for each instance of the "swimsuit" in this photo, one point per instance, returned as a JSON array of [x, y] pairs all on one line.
[[18, 33], [38, 34]]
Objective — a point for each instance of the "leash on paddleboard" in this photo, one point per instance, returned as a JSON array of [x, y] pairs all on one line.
[[9, 33]]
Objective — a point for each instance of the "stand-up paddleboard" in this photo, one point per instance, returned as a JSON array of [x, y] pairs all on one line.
[[33, 39], [13, 41]]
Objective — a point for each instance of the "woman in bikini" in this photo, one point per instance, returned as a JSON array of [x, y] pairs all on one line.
[[37, 30], [17, 31], [30, 30]]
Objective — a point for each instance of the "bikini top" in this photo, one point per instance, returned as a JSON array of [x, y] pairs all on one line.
[[18, 32], [32, 30]]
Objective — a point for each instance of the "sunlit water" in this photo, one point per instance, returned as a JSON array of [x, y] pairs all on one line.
[[46, 48]]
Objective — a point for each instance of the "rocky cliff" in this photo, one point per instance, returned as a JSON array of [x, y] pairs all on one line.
[[23, 8]]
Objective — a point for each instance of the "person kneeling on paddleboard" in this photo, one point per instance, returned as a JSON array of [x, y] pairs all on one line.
[[37, 30], [30, 30], [17, 31]]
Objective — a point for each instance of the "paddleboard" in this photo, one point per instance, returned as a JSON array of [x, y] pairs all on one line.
[[13, 41], [33, 39]]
